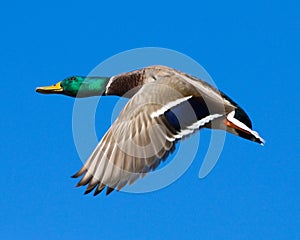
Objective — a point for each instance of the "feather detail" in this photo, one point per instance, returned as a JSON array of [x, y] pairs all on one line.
[[99, 189]]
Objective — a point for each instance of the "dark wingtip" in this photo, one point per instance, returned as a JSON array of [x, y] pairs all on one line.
[[84, 181], [74, 176], [90, 188], [87, 192], [99, 189], [79, 173], [109, 190]]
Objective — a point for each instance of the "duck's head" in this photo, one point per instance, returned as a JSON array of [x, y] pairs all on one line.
[[77, 86]]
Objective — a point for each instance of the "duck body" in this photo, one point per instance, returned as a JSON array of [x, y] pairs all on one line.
[[165, 106]]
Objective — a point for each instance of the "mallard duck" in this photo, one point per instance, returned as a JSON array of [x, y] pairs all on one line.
[[165, 106]]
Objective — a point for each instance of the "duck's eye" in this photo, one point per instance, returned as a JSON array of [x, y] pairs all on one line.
[[72, 78]]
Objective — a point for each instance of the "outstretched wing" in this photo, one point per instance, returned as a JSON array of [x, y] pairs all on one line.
[[160, 113]]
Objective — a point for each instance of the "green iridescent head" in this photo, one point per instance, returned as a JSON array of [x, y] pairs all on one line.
[[77, 86]]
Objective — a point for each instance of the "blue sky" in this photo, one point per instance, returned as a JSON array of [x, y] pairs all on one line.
[[252, 52]]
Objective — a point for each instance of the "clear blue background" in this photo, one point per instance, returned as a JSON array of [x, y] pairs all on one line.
[[252, 52]]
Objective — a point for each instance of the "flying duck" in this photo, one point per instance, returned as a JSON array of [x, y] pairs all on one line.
[[165, 105]]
